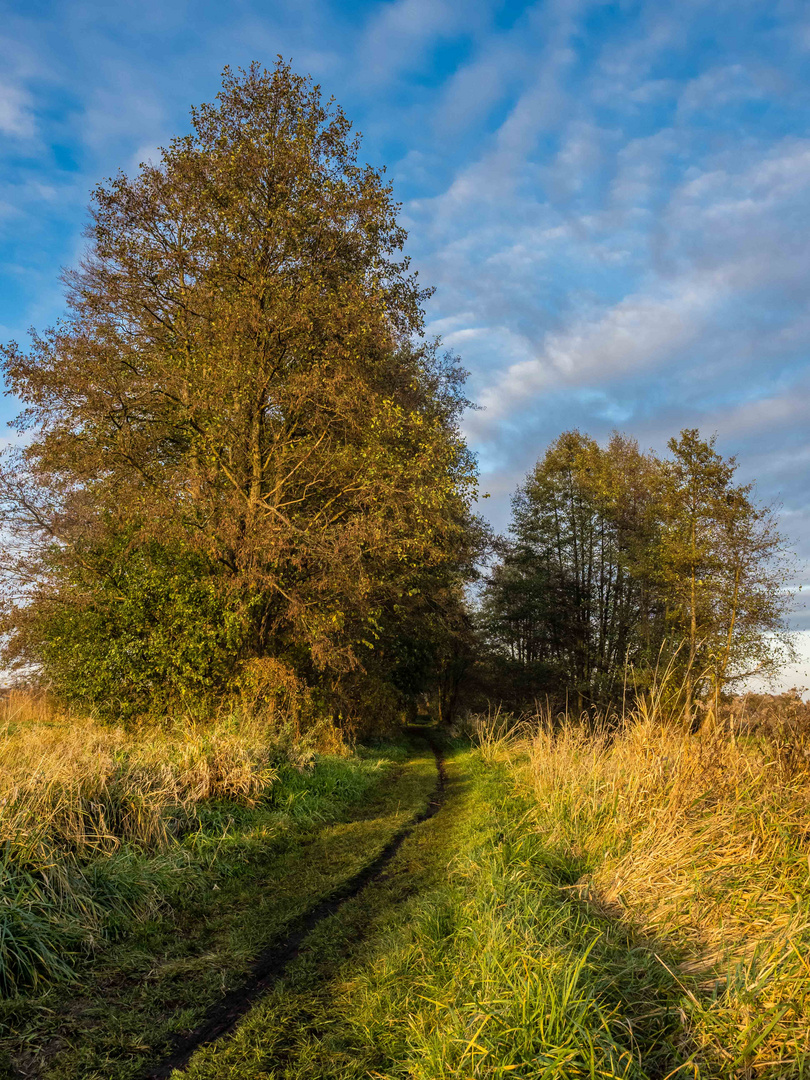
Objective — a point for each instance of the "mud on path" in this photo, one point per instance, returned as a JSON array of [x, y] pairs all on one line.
[[274, 960]]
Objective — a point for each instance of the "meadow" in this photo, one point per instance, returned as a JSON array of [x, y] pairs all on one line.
[[698, 846], [612, 901], [587, 904]]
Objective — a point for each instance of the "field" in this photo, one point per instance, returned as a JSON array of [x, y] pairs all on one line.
[[577, 903], [290, 808]]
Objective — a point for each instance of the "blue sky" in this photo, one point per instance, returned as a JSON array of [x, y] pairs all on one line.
[[612, 199]]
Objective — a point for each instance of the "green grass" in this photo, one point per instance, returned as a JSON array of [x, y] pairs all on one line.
[[469, 958], [479, 952], [698, 843], [220, 895]]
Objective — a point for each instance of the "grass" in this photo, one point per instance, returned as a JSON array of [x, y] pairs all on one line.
[[700, 844], [97, 825], [144, 920], [630, 903], [586, 905], [469, 959]]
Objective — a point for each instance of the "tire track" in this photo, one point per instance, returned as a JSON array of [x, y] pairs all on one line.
[[273, 961]]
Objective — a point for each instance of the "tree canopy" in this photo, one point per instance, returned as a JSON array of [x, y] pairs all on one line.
[[238, 445], [620, 563]]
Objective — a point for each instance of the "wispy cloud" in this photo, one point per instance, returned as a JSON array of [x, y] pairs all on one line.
[[16, 113]]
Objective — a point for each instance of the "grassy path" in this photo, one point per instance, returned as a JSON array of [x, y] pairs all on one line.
[[466, 958], [411, 944], [271, 964], [265, 872]]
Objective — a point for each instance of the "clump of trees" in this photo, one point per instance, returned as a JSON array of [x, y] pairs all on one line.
[[621, 564], [237, 444], [242, 469]]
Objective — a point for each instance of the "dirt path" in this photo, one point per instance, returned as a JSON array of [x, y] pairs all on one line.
[[272, 963]]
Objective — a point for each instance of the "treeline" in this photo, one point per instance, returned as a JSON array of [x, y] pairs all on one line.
[[622, 565], [242, 474]]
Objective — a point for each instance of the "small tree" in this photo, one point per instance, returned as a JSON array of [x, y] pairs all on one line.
[[724, 570]]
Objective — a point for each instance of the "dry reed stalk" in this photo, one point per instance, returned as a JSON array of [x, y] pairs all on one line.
[[90, 786]]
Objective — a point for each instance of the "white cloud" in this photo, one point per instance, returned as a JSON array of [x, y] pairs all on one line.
[[640, 168], [718, 88], [147, 154], [767, 414], [401, 31], [639, 332], [716, 250], [16, 113], [473, 90]]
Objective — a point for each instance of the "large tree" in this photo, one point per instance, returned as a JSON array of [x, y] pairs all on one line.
[[236, 443]]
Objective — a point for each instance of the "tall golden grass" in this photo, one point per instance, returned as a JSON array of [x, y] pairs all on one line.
[[90, 816], [66, 778], [701, 843]]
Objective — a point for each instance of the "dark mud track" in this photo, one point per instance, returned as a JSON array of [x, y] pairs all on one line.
[[273, 961]]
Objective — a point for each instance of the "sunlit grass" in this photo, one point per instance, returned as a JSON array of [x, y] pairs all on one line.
[[469, 959], [99, 825], [700, 843]]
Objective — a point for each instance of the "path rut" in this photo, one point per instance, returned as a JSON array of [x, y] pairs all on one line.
[[273, 961]]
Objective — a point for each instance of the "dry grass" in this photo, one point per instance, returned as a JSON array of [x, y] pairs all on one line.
[[90, 815], [87, 786], [700, 842]]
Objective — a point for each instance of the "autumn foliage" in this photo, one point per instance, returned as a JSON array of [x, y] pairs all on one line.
[[237, 443]]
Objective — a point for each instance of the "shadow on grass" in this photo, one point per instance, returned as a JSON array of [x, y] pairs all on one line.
[[125, 1010], [302, 1027], [632, 974]]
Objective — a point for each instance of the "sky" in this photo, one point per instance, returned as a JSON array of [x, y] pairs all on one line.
[[612, 200]]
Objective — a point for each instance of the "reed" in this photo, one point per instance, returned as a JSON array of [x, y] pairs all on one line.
[[699, 842]]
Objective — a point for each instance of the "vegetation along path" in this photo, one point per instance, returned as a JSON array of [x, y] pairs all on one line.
[[273, 961], [245, 881], [398, 943], [467, 954]]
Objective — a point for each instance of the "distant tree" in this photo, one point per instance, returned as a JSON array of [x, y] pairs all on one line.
[[620, 563], [236, 444], [723, 569], [571, 603]]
